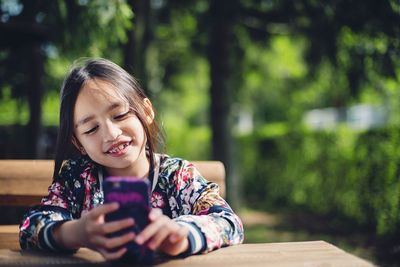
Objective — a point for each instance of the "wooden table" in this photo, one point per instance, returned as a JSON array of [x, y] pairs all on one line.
[[309, 254]]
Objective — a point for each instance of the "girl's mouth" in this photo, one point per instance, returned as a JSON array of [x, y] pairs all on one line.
[[118, 149]]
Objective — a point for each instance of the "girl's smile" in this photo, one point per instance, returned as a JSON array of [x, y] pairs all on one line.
[[118, 149]]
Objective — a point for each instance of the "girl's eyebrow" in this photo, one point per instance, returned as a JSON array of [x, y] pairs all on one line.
[[91, 117]]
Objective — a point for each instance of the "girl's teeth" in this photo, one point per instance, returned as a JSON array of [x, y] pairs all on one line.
[[120, 147]]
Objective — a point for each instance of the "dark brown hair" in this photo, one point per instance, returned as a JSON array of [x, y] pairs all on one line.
[[126, 85]]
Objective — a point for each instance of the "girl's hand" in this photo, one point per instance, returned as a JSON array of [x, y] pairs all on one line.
[[164, 234], [91, 231]]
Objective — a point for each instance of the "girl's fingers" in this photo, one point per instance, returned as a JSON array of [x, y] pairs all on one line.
[[158, 238], [100, 227], [97, 241], [179, 235], [154, 214], [118, 241], [151, 229], [112, 255], [102, 242], [117, 225], [176, 243], [103, 209]]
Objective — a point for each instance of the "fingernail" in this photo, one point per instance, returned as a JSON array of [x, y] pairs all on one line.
[[139, 240], [151, 215], [172, 238]]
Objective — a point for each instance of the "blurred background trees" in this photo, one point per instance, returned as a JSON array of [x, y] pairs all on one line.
[[299, 99]]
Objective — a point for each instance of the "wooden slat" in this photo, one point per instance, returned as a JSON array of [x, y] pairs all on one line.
[[20, 200], [9, 237], [311, 254], [213, 171], [24, 182], [25, 177]]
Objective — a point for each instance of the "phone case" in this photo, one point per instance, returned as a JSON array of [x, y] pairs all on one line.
[[133, 196]]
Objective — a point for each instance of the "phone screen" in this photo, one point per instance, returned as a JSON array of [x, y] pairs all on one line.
[[133, 196]]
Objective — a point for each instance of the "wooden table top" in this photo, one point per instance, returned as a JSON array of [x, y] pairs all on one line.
[[310, 253]]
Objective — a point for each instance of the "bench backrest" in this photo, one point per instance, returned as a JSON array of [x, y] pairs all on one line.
[[25, 182]]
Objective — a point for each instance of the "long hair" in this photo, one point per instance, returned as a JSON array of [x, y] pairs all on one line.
[[127, 87]]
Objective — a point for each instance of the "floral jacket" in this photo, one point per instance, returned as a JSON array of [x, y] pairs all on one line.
[[178, 189]]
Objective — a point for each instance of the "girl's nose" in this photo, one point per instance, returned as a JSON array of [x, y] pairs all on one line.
[[112, 131]]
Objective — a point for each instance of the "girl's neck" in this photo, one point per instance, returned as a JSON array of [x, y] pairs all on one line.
[[137, 169]]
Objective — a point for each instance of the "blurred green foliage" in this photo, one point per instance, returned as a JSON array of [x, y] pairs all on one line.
[[349, 174], [183, 112]]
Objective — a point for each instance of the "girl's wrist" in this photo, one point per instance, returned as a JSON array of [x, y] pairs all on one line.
[[66, 235]]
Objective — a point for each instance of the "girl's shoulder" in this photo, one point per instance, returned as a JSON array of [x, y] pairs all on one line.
[[168, 162], [172, 166], [76, 166]]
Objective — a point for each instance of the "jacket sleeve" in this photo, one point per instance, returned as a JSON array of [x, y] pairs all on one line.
[[38, 223], [211, 221]]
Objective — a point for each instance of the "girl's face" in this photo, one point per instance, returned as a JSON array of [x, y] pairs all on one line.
[[108, 131]]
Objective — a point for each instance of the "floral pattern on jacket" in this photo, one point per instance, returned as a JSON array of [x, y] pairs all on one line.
[[180, 191]]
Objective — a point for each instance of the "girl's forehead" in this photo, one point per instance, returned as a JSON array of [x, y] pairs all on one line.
[[97, 97], [100, 89]]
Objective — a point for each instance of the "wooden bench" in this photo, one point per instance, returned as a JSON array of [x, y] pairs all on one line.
[[25, 182]]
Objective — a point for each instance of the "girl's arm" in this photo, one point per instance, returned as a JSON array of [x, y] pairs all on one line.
[[57, 224], [63, 203], [211, 221], [38, 224]]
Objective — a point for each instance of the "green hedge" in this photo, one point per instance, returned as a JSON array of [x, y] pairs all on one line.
[[350, 174]]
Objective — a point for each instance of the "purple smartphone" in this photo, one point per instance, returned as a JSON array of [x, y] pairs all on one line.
[[133, 196]]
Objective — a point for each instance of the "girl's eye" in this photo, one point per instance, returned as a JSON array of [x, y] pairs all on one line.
[[92, 130], [122, 116]]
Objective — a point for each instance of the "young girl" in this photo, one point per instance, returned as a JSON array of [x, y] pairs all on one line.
[[108, 128]]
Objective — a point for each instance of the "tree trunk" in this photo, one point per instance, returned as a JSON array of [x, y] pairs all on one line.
[[222, 14], [35, 94], [139, 38]]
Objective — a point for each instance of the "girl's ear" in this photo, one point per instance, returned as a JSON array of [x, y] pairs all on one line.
[[150, 111], [78, 145]]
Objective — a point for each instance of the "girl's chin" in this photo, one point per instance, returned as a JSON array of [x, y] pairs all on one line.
[[116, 168], [120, 162]]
